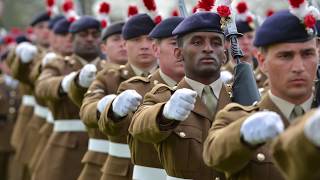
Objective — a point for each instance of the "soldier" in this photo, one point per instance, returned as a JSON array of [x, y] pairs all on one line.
[[296, 151], [98, 145], [141, 60], [26, 56], [238, 141], [62, 37], [176, 120], [10, 101], [69, 140], [170, 72]]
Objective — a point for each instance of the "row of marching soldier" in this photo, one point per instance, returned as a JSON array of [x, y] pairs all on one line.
[[210, 95]]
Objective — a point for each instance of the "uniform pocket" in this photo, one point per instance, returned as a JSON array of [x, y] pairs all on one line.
[[66, 140], [117, 166]]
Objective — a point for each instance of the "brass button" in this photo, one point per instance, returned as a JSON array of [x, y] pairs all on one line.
[[12, 110], [150, 76], [261, 157], [217, 178], [155, 82], [175, 87], [13, 93], [182, 134], [125, 72]]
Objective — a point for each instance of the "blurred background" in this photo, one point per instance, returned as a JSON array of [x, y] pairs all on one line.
[[18, 13]]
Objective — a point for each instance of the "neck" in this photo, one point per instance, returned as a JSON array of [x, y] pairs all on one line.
[[144, 67], [175, 77], [204, 80], [88, 57], [294, 100]]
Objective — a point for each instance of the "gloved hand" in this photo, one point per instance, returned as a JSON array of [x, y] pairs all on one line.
[[48, 58], [104, 101], [125, 102], [87, 75], [180, 104], [226, 76], [66, 81], [261, 126], [26, 51], [311, 128]]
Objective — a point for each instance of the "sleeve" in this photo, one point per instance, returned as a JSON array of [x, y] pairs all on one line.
[[295, 155], [76, 93], [231, 153]]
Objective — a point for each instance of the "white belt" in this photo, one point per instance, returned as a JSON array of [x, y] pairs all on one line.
[[119, 150], [146, 173], [41, 111], [176, 178], [28, 100], [69, 125], [50, 118], [98, 145]]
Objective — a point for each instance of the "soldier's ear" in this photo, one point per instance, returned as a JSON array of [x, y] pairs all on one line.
[[261, 57], [156, 49], [226, 58], [178, 53]]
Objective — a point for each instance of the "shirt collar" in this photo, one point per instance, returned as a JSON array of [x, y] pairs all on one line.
[[198, 87], [169, 81], [139, 72], [287, 107]]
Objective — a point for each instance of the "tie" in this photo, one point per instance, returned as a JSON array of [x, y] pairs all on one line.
[[296, 112], [209, 99], [145, 74]]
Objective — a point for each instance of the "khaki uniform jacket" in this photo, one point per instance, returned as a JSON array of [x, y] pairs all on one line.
[[10, 101], [225, 150], [179, 144], [142, 153], [93, 160], [107, 82], [295, 155], [64, 150]]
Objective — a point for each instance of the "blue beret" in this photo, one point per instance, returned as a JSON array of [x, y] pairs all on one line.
[[164, 28], [115, 28], [21, 38], [137, 25], [318, 28], [54, 20], [62, 26], [41, 17], [199, 22], [244, 27], [281, 27], [84, 23]]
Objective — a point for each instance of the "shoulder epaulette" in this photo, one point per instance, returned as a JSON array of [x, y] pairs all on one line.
[[237, 107], [158, 88], [138, 79]]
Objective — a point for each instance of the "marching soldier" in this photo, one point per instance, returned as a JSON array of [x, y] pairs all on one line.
[[141, 60], [177, 120], [26, 56], [10, 101], [296, 151], [143, 155], [68, 142], [62, 37], [97, 152], [238, 141]]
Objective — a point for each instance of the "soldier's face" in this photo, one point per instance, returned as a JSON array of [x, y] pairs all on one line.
[[65, 44], [291, 68], [87, 42], [202, 53], [42, 33], [168, 62], [140, 52], [246, 44], [113, 47]]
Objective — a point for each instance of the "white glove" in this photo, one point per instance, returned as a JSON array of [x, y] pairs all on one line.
[[48, 58], [26, 51], [311, 128], [261, 126], [66, 81], [87, 75], [225, 76], [180, 104], [125, 102], [104, 101]]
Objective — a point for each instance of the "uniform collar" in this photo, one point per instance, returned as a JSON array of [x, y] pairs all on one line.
[[169, 81], [286, 107], [138, 72], [198, 87]]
